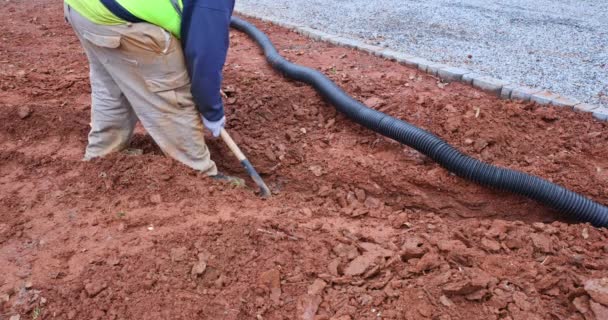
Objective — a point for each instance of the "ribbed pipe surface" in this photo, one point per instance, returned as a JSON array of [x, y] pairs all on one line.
[[548, 193]]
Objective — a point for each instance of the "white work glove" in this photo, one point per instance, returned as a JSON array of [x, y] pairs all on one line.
[[215, 126]]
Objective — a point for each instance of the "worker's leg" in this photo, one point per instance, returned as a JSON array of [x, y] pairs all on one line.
[[148, 66], [112, 118]]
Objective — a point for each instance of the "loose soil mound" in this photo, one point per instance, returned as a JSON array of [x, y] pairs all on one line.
[[360, 227]]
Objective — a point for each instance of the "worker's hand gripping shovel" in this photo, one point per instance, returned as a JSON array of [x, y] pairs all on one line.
[[264, 190]]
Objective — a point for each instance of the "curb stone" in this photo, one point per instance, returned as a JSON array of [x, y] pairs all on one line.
[[523, 93], [469, 77], [565, 102], [585, 107], [601, 113], [434, 68], [452, 73], [544, 97], [489, 84], [506, 91], [500, 88]]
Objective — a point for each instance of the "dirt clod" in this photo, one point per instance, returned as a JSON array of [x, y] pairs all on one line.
[[94, 288], [359, 265], [600, 311], [24, 112], [317, 287], [446, 301], [344, 250], [307, 307], [271, 279], [581, 304], [179, 254], [429, 261], [198, 268], [490, 245], [598, 290]]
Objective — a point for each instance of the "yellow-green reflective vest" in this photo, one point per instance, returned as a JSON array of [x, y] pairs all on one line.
[[158, 12]]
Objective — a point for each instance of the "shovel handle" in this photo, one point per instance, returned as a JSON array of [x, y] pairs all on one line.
[[264, 190]]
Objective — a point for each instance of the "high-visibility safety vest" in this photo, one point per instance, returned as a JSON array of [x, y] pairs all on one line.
[[163, 13]]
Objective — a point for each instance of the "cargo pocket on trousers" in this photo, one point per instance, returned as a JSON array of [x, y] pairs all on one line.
[[174, 88], [110, 42]]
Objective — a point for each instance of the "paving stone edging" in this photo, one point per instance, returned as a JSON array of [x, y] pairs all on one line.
[[500, 88]]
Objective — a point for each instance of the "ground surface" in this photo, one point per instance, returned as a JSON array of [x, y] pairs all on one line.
[[561, 45], [360, 227]]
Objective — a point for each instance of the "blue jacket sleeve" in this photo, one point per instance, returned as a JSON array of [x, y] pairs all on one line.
[[205, 40]]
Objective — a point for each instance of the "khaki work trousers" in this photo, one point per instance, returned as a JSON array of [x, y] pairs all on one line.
[[137, 72]]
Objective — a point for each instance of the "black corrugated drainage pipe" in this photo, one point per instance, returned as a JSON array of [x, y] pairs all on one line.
[[550, 194]]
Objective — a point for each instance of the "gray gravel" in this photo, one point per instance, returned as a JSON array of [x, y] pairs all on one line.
[[560, 45]]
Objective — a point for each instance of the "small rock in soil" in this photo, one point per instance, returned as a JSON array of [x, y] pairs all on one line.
[[521, 300], [307, 212], [446, 301], [547, 282], [428, 262], [317, 287], [479, 280], [375, 249], [272, 280], [324, 191], [307, 307], [211, 275], [360, 194], [547, 114], [453, 123], [598, 290], [178, 254], [497, 229], [451, 245], [220, 282], [581, 304], [198, 268], [412, 248], [600, 311], [317, 171], [24, 112], [149, 283], [477, 295], [345, 250], [372, 203], [542, 242], [113, 261], [460, 288], [374, 102], [156, 198], [490, 245], [334, 267], [15, 317], [94, 288], [359, 265]]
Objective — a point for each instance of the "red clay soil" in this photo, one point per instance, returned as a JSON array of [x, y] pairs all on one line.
[[360, 227]]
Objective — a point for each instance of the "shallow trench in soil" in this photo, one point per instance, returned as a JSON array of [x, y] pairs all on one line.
[[360, 227]]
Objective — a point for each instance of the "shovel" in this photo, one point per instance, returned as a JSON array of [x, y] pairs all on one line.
[[264, 190]]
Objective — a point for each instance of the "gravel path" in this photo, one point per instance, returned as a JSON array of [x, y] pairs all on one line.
[[560, 45]]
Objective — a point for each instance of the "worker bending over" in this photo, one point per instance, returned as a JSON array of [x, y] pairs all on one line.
[[141, 71]]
